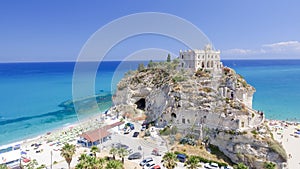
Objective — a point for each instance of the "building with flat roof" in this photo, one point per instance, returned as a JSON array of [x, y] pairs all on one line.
[[206, 59]]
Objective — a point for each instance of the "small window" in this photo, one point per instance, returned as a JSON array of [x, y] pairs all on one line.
[[182, 56], [183, 120], [188, 121]]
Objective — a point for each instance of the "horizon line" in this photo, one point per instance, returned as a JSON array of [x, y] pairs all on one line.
[[74, 61]]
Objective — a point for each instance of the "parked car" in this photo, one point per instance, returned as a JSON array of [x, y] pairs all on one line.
[[156, 167], [135, 134], [119, 145], [127, 131], [134, 156], [156, 152], [149, 165], [129, 125], [211, 166], [143, 128], [181, 157], [145, 161]]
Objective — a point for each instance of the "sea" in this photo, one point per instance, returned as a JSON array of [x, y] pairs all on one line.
[[31, 94]]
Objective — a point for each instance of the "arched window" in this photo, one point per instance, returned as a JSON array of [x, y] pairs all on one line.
[[202, 64], [182, 56], [211, 63], [207, 65]]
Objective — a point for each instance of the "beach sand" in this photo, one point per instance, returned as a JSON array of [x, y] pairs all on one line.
[[52, 142], [284, 134]]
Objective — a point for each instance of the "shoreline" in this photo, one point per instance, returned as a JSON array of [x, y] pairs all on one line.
[[52, 141], [76, 123]]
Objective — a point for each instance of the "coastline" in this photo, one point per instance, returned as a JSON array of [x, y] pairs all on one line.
[[284, 133], [51, 141], [59, 129]]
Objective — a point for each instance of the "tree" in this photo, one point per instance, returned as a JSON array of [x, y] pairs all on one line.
[[141, 67], [170, 160], [90, 162], [2, 166], [43, 166], [192, 162], [67, 151], [122, 152], [114, 152], [114, 164], [32, 164], [241, 166], [169, 58], [150, 64], [100, 163], [94, 150], [269, 165], [83, 162]]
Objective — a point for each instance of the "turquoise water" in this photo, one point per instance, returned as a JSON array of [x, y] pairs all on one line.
[[31, 92], [277, 84]]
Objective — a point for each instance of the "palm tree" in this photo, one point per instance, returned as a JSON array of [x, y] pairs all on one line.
[[2, 166], [122, 152], [67, 151], [100, 163], [170, 160], [192, 162], [94, 150], [114, 164], [114, 152], [88, 162], [32, 164], [83, 161]]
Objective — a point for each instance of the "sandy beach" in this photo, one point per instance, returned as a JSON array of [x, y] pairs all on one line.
[[284, 133], [42, 147], [46, 148]]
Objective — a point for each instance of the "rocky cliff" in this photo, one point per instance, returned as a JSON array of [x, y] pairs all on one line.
[[196, 102]]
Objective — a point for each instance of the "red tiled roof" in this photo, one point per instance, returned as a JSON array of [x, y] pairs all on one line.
[[95, 135], [99, 133]]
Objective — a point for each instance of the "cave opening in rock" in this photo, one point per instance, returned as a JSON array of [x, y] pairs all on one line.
[[141, 104]]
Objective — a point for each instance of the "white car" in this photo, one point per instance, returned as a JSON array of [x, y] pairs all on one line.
[[143, 128], [145, 161], [127, 131], [149, 165], [211, 166]]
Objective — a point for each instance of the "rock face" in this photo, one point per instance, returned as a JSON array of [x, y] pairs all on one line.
[[195, 102]]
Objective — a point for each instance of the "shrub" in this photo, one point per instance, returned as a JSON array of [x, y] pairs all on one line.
[[254, 132], [165, 132], [276, 147], [178, 79], [269, 165]]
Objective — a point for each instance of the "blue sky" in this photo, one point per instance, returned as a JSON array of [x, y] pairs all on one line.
[[56, 30]]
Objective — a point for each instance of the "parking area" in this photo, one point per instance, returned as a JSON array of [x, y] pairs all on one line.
[[137, 144]]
